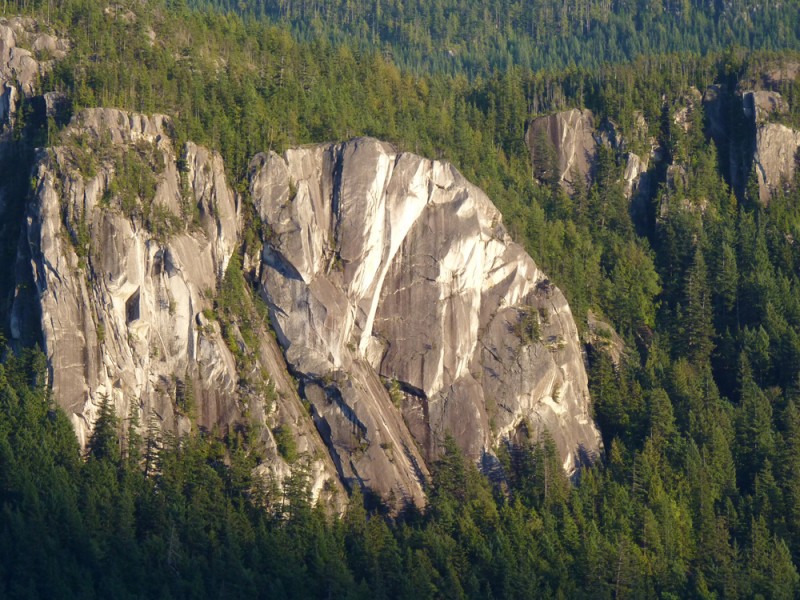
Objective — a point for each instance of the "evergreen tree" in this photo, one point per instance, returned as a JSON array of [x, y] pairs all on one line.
[[698, 325], [754, 433], [104, 443]]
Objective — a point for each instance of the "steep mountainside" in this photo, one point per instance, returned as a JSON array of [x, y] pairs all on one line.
[[127, 245], [746, 125], [400, 301], [286, 359], [382, 265]]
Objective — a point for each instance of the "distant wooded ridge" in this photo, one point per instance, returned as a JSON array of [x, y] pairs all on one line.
[[477, 37]]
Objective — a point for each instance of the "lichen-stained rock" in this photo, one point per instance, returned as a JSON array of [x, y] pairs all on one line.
[[118, 305], [124, 274], [571, 136], [381, 263]]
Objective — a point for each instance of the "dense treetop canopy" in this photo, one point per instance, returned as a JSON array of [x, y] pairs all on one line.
[[698, 491]]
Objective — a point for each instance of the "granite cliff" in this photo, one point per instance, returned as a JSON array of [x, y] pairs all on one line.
[[127, 241], [570, 140], [775, 145], [750, 124], [409, 313], [403, 310], [752, 127]]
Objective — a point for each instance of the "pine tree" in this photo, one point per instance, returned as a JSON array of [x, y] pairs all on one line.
[[726, 282], [754, 433], [133, 442], [698, 326], [104, 443], [788, 469], [661, 419]]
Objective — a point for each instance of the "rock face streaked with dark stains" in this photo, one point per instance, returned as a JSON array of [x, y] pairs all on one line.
[[398, 299], [401, 301], [124, 302]]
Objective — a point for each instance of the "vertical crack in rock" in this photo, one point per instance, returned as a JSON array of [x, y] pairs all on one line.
[[126, 285], [414, 322]]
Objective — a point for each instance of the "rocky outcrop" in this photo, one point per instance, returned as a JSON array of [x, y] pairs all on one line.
[[762, 105], [20, 67], [409, 313], [775, 157], [565, 145], [567, 138], [750, 128], [775, 145], [635, 175], [127, 245], [397, 297], [118, 306], [685, 106], [784, 71]]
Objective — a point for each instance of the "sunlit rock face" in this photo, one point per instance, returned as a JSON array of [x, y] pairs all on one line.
[[122, 287], [118, 306], [20, 42], [571, 136], [402, 302], [398, 301]]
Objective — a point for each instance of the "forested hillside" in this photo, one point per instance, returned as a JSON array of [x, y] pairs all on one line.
[[698, 491], [460, 36]]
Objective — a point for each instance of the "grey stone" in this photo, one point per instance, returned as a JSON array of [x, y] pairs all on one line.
[[126, 321], [382, 265], [571, 134]]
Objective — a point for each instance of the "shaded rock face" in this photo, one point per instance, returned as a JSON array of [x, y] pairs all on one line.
[[122, 310], [751, 134], [410, 314], [712, 107], [571, 136]]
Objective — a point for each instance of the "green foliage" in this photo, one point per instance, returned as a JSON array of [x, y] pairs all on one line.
[[284, 440], [239, 314], [698, 489], [630, 296], [184, 395], [459, 36], [133, 186], [105, 441], [84, 155], [395, 393], [194, 526], [528, 328]]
